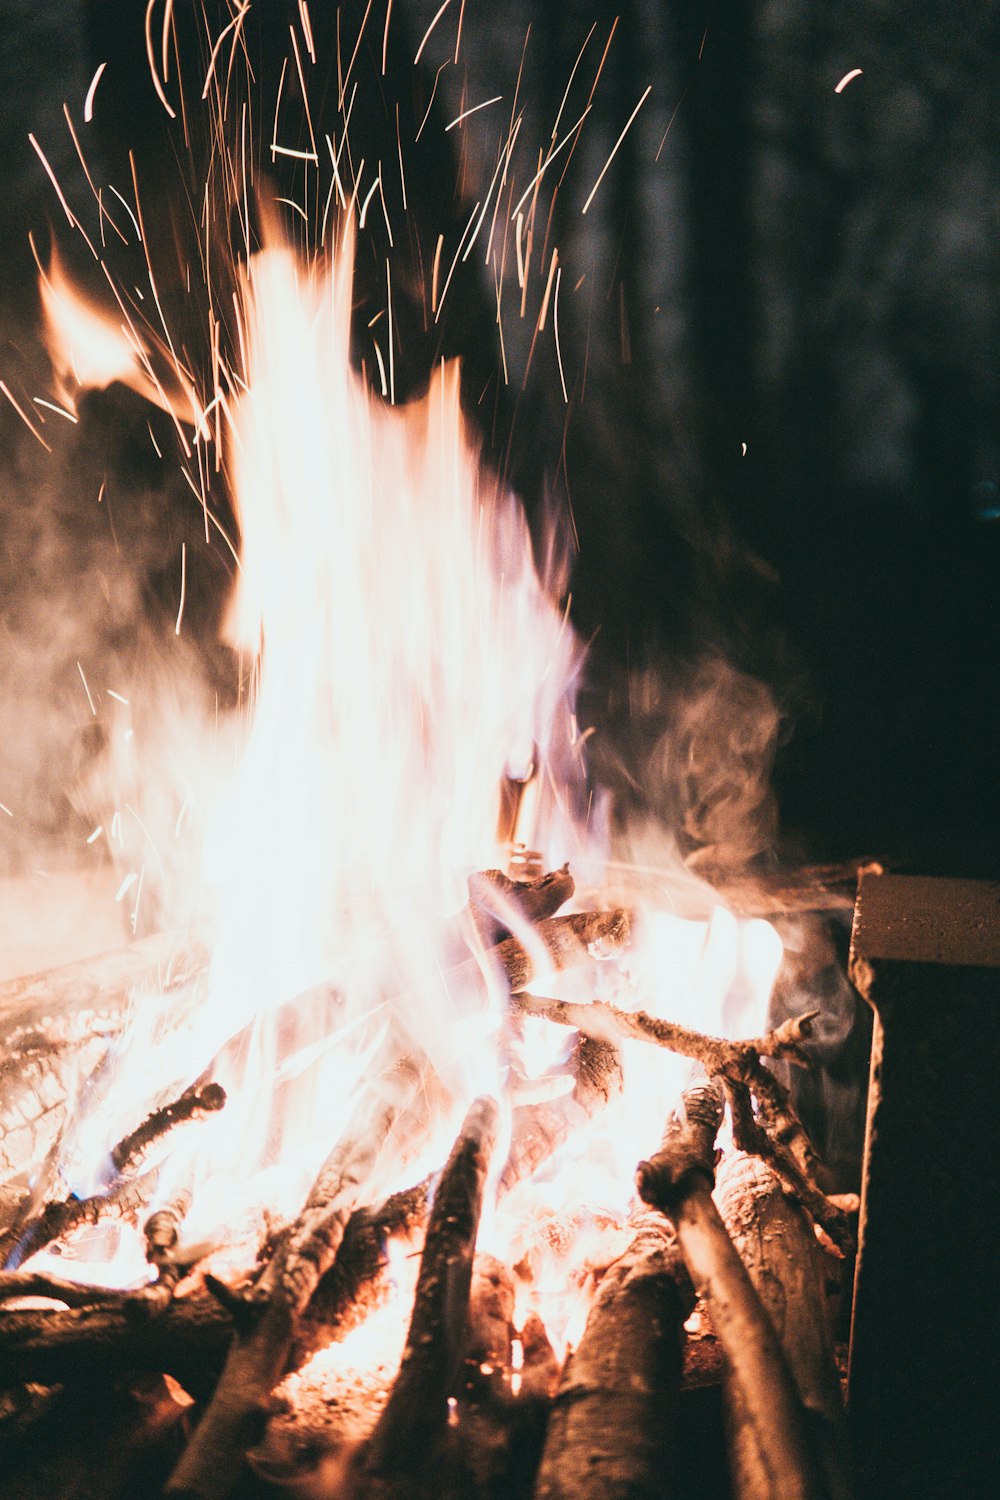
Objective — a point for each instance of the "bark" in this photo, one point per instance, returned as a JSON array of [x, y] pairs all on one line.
[[563, 943], [500, 905], [678, 1181], [779, 1249], [611, 1430], [414, 1419]]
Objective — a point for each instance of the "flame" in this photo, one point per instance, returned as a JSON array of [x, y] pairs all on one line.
[[404, 658]]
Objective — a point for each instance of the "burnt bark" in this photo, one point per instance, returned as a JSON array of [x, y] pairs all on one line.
[[786, 1265], [611, 1430]]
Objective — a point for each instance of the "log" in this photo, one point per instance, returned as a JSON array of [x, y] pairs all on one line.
[[500, 905], [678, 1182], [611, 1430], [125, 1200], [259, 1356], [191, 1338], [786, 1265], [807, 889], [413, 1421], [538, 1130], [568, 942]]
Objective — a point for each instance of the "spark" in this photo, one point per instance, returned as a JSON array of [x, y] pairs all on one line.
[[233, 26], [277, 106], [277, 150], [157, 84], [93, 837], [551, 158], [385, 45], [430, 28], [302, 81], [86, 689], [553, 263], [388, 295], [458, 252], [368, 198], [670, 124], [555, 330], [502, 164], [847, 78], [381, 367], [430, 102], [307, 29], [458, 34], [291, 203], [354, 54], [138, 897], [125, 206], [88, 103], [628, 122], [117, 697], [497, 98], [6, 809], [156, 446], [60, 411], [180, 607], [434, 273], [399, 144], [23, 415], [52, 178], [149, 836]]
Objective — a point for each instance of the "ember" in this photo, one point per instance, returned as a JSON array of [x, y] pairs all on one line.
[[229, 1146]]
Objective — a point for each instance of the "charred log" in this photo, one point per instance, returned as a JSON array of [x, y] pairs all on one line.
[[610, 1434], [786, 1265], [678, 1181], [500, 905], [414, 1418]]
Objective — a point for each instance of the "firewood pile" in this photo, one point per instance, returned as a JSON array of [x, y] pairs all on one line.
[[198, 1384]]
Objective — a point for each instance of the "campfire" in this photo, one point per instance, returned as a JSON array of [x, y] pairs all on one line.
[[385, 1163]]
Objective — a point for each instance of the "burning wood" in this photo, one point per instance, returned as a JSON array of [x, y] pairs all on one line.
[[776, 1244], [611, 1430], [774, 1132], [678, 1181], [412, 1423], [263, 1344]]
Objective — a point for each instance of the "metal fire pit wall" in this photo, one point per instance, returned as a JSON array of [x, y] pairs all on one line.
[[925, 1340]]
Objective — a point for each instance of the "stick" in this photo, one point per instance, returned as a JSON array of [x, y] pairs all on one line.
[[611, 1430], [678, 1182], [17, 1284], [201, 1099], [779, 1249], [259, 1355], [56, 1220], [413, 1419]]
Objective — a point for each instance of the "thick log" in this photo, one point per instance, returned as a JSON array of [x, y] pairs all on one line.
[[611, 1430], [786, 1265], [413, 1421], [810, 888], [678, 1181]]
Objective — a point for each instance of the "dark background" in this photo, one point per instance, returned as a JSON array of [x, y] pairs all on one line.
[[766, 263]]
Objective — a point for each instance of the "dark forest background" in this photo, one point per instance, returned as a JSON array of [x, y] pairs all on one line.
[[780, 333]]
